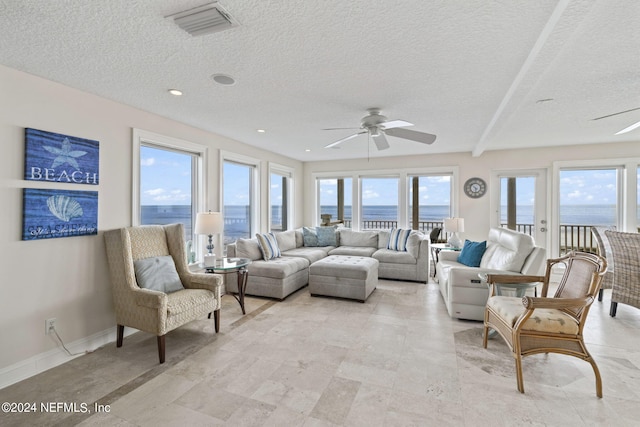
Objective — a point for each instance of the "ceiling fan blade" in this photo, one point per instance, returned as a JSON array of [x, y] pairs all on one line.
[[333, 144], [395, 124], [380, 140], [425, 138]]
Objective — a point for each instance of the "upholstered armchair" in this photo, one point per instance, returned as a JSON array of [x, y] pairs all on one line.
[[532, 325], [147, 309], [625, 248]]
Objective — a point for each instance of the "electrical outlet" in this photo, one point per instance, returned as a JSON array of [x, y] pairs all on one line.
[[49, 325]]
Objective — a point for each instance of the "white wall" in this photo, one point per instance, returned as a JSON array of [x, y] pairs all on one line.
[[67, 278], [476, 212]]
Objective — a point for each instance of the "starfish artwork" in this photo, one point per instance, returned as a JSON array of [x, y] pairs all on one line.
[[65, 154]]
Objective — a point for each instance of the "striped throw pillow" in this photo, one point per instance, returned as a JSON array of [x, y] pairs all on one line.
[[268, 246], [398, 238]]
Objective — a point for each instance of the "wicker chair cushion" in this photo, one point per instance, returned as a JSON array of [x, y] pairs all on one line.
[[543, 320]]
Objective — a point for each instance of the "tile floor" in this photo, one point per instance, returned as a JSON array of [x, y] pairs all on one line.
[[397, 360]]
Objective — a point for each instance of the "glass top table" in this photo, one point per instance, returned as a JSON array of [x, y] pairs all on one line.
[[232, 265]]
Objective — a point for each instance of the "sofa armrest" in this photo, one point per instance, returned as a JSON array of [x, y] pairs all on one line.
[[447, 255], [424, 259]]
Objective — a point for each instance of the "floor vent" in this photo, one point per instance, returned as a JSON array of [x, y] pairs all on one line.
[[205, 19]]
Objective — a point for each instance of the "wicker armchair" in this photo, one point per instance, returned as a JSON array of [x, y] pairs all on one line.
[[625, 248], [604, 250], [533, 325], [153, 311]]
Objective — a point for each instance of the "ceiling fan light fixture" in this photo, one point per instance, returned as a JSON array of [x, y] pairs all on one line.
[[628, 128]]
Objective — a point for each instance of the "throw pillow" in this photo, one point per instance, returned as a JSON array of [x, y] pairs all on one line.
[[327, 236], [471, 253], [157, 274], [268, 246], [248, 248], [309, 236], [398, 239]]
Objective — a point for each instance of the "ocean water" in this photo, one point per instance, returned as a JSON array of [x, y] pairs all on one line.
[[237, 217]]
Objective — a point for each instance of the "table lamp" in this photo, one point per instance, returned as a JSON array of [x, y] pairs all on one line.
[[209, 223], [454, 225]]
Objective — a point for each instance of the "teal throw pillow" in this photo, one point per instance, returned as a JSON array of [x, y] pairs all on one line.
[[327, 236], [268, 246], [309, 236], [472, 252]]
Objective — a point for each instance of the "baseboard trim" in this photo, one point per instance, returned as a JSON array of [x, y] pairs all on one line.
[[57, 356]]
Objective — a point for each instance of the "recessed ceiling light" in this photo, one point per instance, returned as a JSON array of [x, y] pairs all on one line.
[[175, 92], [223, 79], [629, 128], [261, 131], [308, 150]]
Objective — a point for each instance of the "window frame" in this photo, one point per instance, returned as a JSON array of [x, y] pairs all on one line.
[[254, 196], [287, 173], [198, 174]]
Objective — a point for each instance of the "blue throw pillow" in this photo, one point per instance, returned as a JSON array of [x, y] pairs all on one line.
[[398, 238], [472, 252], [309, 236], [268, 246], [327, 236]]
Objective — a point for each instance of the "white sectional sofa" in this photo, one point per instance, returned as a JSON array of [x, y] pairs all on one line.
[[464, 294], [282, 276]]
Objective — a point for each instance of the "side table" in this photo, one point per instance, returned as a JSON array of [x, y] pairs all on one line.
[[435, 250], [233, 265]]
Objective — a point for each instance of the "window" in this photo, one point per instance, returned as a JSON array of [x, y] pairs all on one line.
[[587, 197], [167, 173], [280, 198], [240, 196], [429, 201], [379, 201], [335, 200]]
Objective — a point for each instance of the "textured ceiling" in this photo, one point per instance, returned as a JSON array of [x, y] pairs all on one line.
[[472, 72]]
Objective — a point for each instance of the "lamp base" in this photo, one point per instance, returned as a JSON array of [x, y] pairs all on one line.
[[455, 241], [209, 260]]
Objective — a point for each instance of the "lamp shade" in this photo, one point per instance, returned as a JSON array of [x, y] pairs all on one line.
[[208, 223], [454, 225]]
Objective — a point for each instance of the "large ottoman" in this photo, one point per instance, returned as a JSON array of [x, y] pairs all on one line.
[[343, 276]]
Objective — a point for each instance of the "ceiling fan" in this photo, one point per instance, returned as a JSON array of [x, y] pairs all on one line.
[[377, 126]]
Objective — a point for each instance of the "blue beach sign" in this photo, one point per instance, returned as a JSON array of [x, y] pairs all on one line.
[[50, 213], [54, 157]]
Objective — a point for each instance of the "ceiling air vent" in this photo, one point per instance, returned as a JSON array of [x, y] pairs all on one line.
[[205, 19]]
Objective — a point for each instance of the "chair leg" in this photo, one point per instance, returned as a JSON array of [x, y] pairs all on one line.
[[120, 334], [596, 371], [216, 320], [485, 336], [600, 293], [161, 348], [519, 373], [613, 309]]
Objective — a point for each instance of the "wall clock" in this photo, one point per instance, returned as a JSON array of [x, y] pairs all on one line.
[[475, 187]]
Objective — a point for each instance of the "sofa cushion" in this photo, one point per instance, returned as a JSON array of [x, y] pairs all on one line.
[[471, 253], [157, 274], [311, 254], [327, 236], [286, 240], [268, 246], [413, 243], [358, 238], [279, 268], [394, 257], [248, 248], [398, 239], [353, 251], [507, 250]]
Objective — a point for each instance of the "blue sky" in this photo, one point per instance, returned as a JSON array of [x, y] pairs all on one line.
[[165, 178]]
